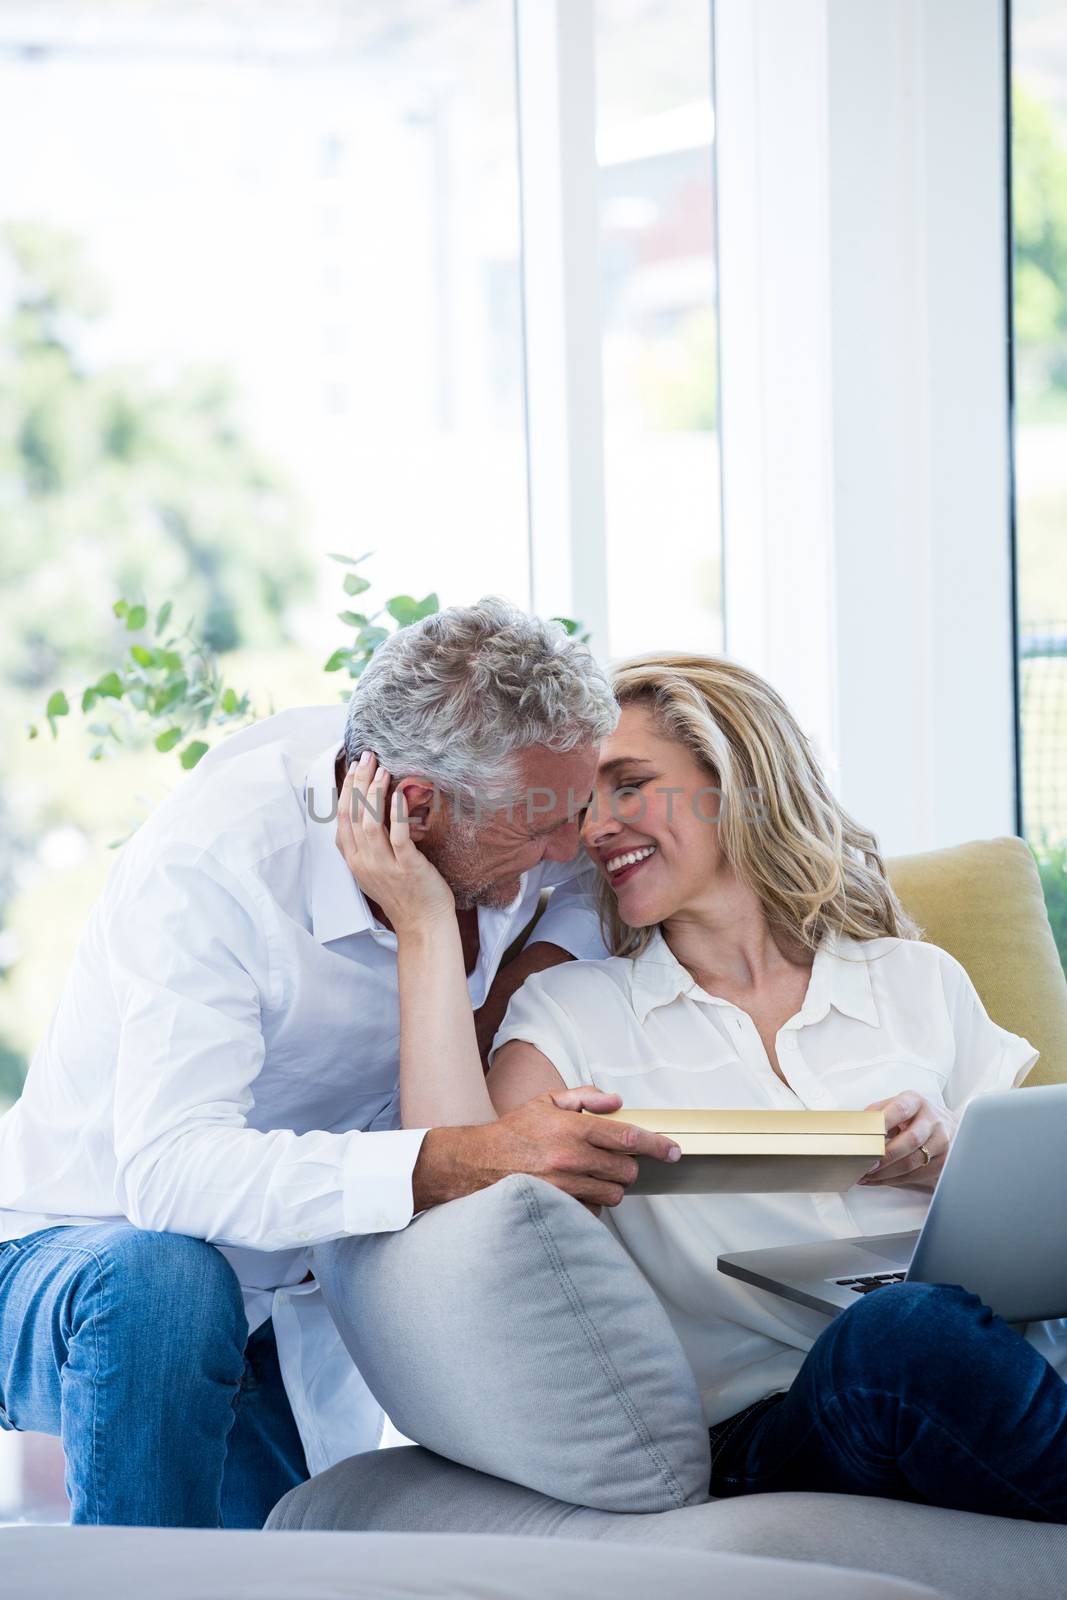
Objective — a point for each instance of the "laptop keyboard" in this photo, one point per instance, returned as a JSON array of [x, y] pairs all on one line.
[[871, 1281]]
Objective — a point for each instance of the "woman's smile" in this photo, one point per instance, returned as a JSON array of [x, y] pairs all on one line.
[[621, 866]]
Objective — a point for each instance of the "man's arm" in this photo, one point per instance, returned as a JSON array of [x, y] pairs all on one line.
[[189, 954], [583, 1155], [189, 966]]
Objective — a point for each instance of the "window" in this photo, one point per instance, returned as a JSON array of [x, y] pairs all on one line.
[[655, 141], [259, 295], [1039, 196], [263, 298], [259, 301]]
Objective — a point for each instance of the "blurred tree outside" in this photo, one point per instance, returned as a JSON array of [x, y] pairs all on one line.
[[678, 377], [1039, 200], [115, 479]]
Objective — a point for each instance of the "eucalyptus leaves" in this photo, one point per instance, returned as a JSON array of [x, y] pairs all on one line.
[[167, 686], [369, 633]]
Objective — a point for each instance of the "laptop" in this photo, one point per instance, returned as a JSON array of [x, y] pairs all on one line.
[[997, 1222]]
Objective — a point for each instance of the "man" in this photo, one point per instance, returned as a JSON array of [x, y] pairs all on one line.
[[217, 1091]]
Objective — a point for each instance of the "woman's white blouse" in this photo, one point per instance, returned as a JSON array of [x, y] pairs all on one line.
[[877, 1018]]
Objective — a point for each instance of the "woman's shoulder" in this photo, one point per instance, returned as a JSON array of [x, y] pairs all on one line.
[[908, 960], [889, 946], [584, 983]]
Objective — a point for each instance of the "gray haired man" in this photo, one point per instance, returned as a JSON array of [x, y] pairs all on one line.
[[217, 1092]]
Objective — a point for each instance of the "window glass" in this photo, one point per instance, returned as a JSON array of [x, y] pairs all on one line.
[[1039, 197], [655, 151], [259, 301]]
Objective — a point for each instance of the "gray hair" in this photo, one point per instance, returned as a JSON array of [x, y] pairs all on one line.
[[456, 696]]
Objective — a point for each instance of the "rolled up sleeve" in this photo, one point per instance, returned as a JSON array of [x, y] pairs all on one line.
[[987, 1056], [190, 963], [536, 1016]]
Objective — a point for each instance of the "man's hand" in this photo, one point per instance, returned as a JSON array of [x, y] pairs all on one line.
[[549, 1138], [912, 1121]]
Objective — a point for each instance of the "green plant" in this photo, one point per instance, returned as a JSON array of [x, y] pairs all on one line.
[[169, 691], [403, 609], [166, 691], [369, 633], [122, 478], [1039, 205], [573, 628], [1051, 861]]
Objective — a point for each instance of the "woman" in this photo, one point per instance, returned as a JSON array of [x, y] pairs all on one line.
[[760, 958]]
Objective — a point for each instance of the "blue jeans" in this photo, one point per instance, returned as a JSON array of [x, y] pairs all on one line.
[[133, 1347], [917, 1392]]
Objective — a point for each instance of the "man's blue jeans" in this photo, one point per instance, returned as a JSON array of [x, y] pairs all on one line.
[[133, 1347], [916, 1392]]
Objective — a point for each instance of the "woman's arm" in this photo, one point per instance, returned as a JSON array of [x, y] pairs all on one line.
[[441, 1078], [519, 1072]]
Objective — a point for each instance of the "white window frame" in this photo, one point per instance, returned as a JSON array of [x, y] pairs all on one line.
[[864, 313], [559, 187], [863, 307]]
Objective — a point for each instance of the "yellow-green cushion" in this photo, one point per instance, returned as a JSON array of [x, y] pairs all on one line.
[[983, 903]]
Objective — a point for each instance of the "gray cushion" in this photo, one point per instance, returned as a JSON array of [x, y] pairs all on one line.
[[511, 1332], [174, 1564], [959, 1553]]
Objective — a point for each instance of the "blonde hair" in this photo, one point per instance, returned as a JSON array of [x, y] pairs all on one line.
[[784, 833]]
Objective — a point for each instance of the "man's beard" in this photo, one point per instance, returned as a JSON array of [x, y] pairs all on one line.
[[494, 896], [457, 862]]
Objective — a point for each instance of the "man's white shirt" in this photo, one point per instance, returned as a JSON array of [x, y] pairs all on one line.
[[223, 1061]]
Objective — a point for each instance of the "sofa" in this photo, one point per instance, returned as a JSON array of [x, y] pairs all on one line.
[[178, 1564], [983, 903]]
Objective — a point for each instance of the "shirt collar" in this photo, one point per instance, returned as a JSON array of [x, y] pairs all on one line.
[[840, 977], [657, 977], [338, 904]]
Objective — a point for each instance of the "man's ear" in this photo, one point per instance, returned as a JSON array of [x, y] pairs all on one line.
[[420, 804]]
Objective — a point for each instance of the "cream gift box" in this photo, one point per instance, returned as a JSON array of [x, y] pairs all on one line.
[[757, 1152]]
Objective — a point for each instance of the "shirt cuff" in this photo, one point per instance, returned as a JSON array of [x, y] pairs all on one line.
[[1020, 1059], [377, 1173], [574, 929]]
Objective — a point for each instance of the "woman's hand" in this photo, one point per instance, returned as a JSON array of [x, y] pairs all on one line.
[[912, 1121], [382, 858]]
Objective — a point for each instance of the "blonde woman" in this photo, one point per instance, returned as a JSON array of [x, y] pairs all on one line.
[[760, 959]]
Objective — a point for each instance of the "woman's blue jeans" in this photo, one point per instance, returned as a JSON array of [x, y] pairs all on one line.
[[917, 1392], [133, 1347]]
